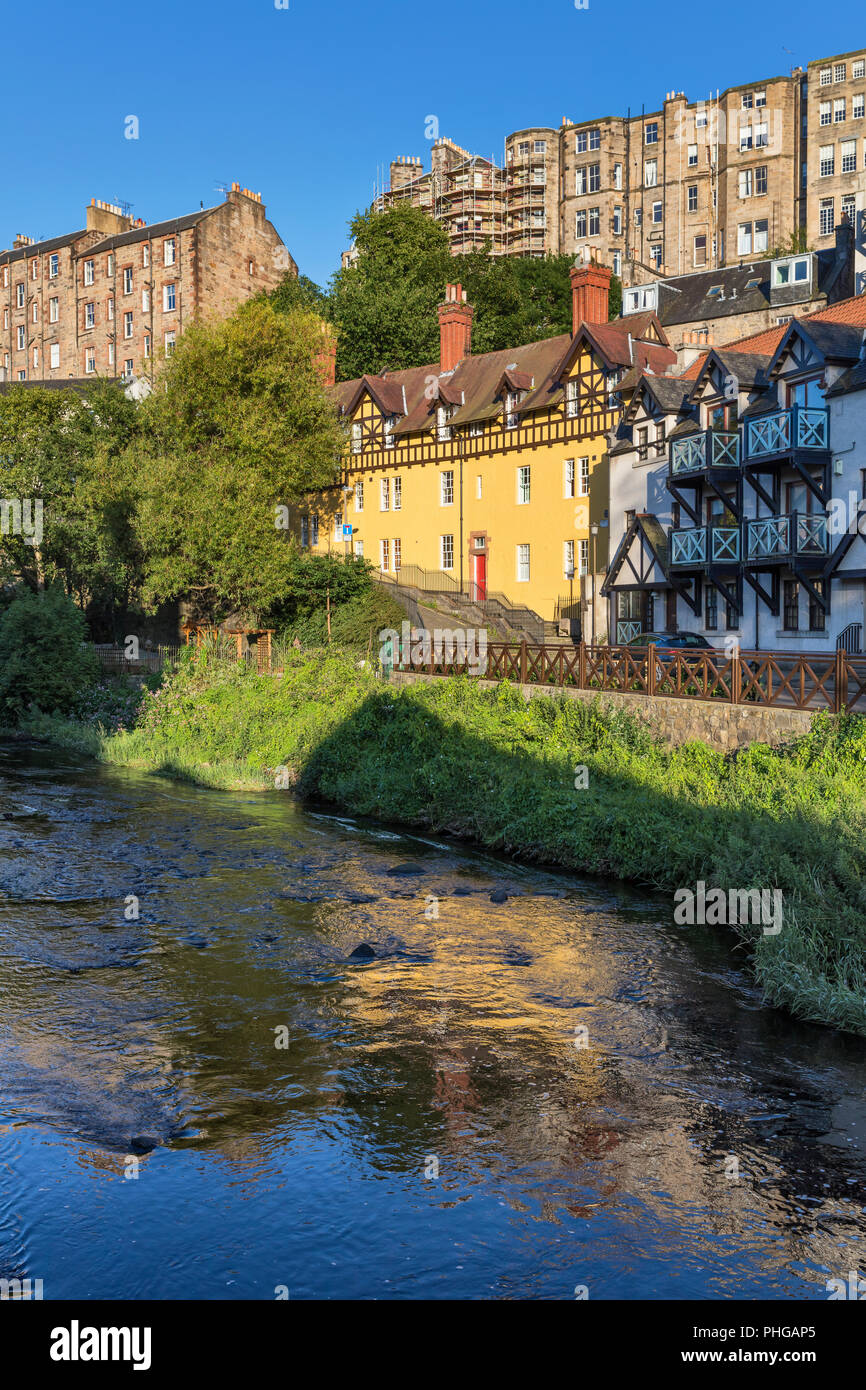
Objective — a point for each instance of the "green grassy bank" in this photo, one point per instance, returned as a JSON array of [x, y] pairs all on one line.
[[489, 766]]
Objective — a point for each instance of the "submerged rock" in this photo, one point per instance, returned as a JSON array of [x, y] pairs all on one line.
[[404, 870], [499, 895], [144, 1143], [363, 952]]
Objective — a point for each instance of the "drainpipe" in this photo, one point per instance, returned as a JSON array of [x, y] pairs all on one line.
[[460, 458]]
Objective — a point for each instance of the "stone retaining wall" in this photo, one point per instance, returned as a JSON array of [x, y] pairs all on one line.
[[721, 725]]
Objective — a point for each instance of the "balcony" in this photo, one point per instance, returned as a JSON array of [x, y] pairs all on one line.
[[694, 547], [785, 431], [708, 449], [781, 539]]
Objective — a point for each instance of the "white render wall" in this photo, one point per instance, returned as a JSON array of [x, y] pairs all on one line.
[[642, 487]]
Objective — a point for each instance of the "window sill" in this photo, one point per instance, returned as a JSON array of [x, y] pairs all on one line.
[[813, 636]]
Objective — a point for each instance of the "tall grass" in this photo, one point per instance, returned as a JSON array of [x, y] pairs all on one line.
[[493, 767]]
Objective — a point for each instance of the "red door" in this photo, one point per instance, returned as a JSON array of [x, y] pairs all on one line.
[[479, 577]]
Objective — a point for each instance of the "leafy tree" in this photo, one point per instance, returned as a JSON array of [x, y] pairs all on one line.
[[66, 454], [300, 292], [384, 306], [43, 660], [239, 426]]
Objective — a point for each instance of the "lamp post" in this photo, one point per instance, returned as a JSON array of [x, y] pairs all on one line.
[[593, 530]]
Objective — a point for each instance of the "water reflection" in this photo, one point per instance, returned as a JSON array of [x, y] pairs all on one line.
[[697, 1145]]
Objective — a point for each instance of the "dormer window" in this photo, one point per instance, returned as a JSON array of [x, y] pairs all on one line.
[[512, 400], [356, 437], [793, 270], [572, 387], [644, 297], [443, 429], [390, 422]]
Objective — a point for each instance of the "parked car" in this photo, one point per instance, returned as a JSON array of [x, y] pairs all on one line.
[[665, 642]]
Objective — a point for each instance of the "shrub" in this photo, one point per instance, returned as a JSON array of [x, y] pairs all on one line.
[[44, 663]]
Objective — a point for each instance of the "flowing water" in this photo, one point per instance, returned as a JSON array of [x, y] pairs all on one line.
[[215, 1099]]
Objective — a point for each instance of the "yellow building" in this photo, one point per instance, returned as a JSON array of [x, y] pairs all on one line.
[[485, 474]]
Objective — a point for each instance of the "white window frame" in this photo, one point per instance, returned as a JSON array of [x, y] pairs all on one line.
[[523, 563], [524, 484], [446, 488], [568, 478]]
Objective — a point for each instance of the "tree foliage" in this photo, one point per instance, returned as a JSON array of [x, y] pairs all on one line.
[[44, 663], [384, 306], [72, 455], [239, 426]]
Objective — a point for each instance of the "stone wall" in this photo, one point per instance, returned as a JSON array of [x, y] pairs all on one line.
[[720, 725]]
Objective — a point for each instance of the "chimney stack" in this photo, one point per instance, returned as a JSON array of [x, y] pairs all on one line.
[[590, 295], [455, 328]]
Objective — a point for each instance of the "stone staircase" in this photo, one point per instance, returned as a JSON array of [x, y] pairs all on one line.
[[425, 597]]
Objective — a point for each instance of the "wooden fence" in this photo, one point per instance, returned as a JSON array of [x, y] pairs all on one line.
[[832, 681]]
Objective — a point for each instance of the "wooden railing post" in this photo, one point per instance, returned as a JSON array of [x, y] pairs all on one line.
[[736, 676], [651, 669], [523, 662], [581, 665], [841, 699]]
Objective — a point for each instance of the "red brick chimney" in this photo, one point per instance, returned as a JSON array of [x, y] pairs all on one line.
[[455, 328], [590, 295]]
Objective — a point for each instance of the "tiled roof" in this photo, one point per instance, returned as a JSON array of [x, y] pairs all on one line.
[[478, 379], [850, 311]]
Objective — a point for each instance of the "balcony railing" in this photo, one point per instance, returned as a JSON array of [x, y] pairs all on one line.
[[708, 449], [780, 537], [689, 546], [801, 427], [693, 545]]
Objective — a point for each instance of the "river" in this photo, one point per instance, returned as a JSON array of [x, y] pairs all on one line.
[[555, 1096]]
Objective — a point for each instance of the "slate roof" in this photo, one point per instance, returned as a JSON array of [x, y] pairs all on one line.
[[476, 383], [40, 248], [744, 289], [155, 229]]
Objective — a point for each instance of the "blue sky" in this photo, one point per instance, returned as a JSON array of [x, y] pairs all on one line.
[[304, 103]]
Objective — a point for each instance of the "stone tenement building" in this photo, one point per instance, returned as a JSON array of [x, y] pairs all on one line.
[[693, 185], [109, 299]]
